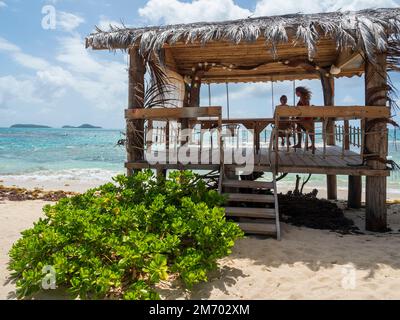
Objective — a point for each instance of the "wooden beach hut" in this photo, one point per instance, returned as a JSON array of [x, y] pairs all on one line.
[[323, 46]]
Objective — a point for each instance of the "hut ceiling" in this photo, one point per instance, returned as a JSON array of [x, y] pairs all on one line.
[[252, 62], [266, 48]]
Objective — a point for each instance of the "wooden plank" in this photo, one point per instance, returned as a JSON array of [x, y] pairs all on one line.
[[348, 112], [256, 198], [258, 228], [146, 165], [248, 184], [173, 113], [353, 171], [255, 213]]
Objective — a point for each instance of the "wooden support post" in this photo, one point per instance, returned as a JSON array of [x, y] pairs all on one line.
[[135, 129], [328, 86], [354, 192], [276, 142], [346, 135], [376, 94], [192, 99]]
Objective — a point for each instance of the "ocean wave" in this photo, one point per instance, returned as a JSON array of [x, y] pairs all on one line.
[[84, 175]]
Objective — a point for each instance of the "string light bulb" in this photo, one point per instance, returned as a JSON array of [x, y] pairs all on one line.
[[335, 70]]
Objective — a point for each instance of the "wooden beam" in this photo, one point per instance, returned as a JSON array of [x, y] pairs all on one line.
[[135, 129], [328, 87], [354, 192], [169, 60], [376, 93], [337, 112], [347, 57], [173, 113]]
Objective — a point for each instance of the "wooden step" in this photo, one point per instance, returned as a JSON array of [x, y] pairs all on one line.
[[258, 228], [256, 213], [255, 198], [248, 184]]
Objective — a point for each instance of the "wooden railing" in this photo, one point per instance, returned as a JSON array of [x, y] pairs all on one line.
[[211, 118], [166, 134], [347, 135]]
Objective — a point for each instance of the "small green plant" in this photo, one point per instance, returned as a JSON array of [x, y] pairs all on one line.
[[119, 240]]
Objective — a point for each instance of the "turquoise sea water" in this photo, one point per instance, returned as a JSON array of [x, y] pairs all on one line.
[[54, 152], [85, 154]]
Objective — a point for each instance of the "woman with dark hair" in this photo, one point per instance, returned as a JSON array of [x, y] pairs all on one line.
[[305, 124]]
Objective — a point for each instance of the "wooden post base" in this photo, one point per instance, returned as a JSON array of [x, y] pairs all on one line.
[[331, 187], [355, 192], [161, 173], [376, 211]]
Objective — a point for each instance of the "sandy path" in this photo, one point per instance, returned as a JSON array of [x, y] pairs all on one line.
[[306, 264], [15, 217]]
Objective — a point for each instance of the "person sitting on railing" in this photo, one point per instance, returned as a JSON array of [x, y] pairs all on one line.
[[304, 124], [285, 127]]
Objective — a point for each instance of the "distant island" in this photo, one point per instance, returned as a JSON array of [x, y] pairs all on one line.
[[30, 126], [84, 126]]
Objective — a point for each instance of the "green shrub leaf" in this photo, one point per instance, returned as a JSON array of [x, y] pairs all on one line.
[[119, 240]]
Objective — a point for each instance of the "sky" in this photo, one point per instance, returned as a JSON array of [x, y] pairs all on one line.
[[48, 77]]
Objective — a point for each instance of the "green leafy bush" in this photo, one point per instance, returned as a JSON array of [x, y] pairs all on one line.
[[119, 240]]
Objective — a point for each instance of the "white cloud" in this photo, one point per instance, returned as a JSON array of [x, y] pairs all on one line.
[[272, 7], [13, 91], [105, 23], [22, 58], [68, 22], [362, 4], [3, 4], [349, 100], [174, 11], [7, 46], [98, 82]]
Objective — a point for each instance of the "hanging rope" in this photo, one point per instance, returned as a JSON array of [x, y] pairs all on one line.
[[294, 93], [227, 101], [272, 96], [209, 95]]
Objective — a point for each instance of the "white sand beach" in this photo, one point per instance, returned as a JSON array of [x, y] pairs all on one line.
[[82, 184], [306, 264]]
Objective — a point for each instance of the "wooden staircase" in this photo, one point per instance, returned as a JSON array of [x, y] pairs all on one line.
[[249, 204]]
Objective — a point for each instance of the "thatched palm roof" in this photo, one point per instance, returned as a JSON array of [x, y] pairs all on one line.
[[364, 31]]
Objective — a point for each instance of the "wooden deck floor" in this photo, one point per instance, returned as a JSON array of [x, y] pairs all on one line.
[[333, 163], [294, 161]]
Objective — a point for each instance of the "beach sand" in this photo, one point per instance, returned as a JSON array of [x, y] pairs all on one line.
[[306, 264], [81, 185]]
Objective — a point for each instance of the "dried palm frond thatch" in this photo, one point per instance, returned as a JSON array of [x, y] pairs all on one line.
[[366, 31]]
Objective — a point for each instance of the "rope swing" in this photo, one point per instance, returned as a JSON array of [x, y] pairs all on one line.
[[272, 96], [227, 101], [209, 95], [294, 93]]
